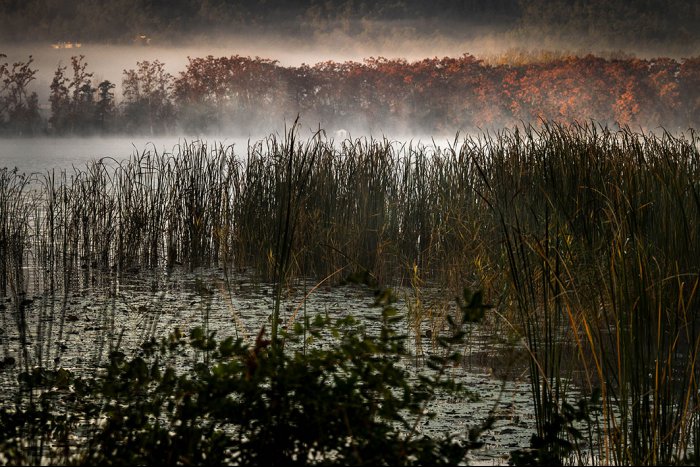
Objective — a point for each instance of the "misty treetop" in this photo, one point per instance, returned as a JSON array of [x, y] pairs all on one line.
[[19, 109], [214, 94]]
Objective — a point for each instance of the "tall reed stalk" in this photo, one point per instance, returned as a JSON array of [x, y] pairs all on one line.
[[586, 239], [600, 232]]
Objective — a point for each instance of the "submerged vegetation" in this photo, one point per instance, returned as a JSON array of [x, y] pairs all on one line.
[[583, 239]]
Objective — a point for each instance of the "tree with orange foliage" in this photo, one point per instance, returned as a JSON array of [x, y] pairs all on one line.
[[215, 92], [689, 90]]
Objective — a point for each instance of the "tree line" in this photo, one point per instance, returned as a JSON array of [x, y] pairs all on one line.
[[216, 94]]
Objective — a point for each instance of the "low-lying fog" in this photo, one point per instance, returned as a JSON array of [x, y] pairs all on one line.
[[402, 40]]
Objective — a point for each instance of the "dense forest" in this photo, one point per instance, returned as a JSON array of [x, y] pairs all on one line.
[[215, 94], [582, 23]]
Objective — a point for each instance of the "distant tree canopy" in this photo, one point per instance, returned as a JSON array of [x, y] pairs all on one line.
[[214, 94], [610, 22], [613, 23], [19, 109]]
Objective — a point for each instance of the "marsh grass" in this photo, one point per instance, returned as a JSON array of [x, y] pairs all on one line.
[[584, 239], [600, 231], [15, 217]]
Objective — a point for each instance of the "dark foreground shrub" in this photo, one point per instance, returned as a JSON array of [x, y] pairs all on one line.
[[197, 400]]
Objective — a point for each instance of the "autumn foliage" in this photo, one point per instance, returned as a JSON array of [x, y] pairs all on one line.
[[434, 95], [441, 94]]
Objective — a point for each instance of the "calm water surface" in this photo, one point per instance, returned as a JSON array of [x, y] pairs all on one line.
[[46, 153], [41, 154]]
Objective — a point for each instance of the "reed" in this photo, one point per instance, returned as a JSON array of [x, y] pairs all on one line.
[[14, 229], [16, 209], [585, 239], [600, 235]]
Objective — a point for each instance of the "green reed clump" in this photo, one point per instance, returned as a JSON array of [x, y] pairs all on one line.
[[365, 203], [16, 209]]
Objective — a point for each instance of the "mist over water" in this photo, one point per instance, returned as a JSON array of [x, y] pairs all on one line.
[[43, 154]]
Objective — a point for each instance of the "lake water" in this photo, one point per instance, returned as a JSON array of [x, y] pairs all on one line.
[[45, 153], [42, 154]]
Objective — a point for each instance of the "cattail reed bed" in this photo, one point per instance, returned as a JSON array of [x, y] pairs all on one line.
[[586, 241]]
